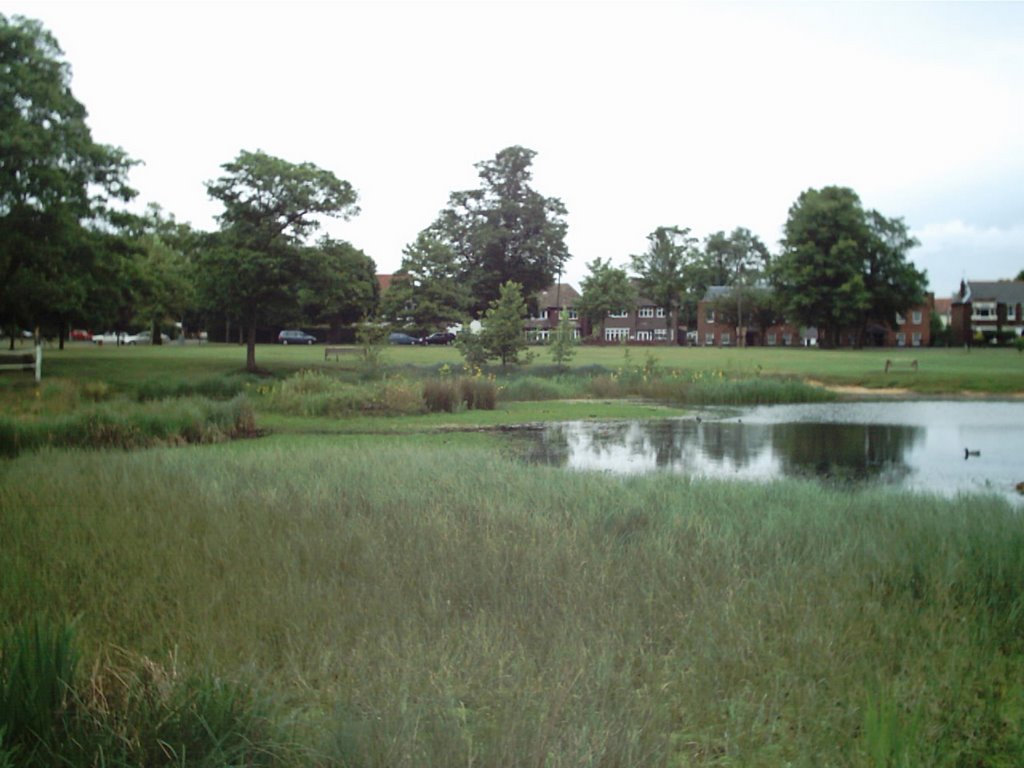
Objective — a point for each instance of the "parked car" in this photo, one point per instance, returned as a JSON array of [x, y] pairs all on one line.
[[79, 335], [115, 337], [441, 337], [107, 337], [402, 338], [145, 337], [295, 337]]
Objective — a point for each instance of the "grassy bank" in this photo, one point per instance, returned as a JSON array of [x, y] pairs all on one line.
[[437, 604]]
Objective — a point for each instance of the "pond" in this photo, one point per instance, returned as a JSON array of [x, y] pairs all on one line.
[[944, 447]]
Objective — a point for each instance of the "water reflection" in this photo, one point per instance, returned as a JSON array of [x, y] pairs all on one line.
[[913, 445]]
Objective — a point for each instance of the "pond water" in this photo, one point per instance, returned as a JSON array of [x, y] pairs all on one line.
[[944, 447]]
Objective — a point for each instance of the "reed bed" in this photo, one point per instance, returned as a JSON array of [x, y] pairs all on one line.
[[123, 424], [406, 606]]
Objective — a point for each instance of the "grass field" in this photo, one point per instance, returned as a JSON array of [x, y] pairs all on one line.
[[998, 371], [414, 596]]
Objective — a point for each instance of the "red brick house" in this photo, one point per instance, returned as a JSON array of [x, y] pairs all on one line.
[[912, 330], [984, 311]]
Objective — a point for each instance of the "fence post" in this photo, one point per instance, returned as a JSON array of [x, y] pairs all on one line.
[[39, 361]]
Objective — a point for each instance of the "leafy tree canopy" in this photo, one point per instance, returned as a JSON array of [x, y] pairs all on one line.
[[665, 270], [428, 291], [339, 284], [606, 289], [54, 179], [505, 230], [255, 267], [842, 266]]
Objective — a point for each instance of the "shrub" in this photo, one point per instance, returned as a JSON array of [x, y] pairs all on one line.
[[478, 393], [441, 395]]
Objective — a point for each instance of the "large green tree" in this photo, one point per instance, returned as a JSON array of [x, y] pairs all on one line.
[[502, 334], [739, 260], [164, 273], [339, 286], [664, 270], [505, 230], [606, 289], [55, 181], [427, 292], [842, 266], [254, 270]]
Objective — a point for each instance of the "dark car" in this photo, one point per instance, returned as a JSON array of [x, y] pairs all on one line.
[[402, 338], [441, 337], [295, 337]]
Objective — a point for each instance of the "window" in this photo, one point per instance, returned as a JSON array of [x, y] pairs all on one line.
[[916, 340], [542, 314], [709, 338], [709, 315], [915, 317], [901, 339], [644, 336], [660, 334], [787, 339], [771, 338], [900, 319], [726, 337], [1011, 312], [572, 314], [659, 312], [620, 313], [616, 334], [984, 311], [645, 312]]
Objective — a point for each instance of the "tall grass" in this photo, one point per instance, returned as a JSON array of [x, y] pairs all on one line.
[[436, 604], [120, 424], [128, 714]]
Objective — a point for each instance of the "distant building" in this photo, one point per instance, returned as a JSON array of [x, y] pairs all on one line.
[[987, 312], [550, 304], [911, 330]]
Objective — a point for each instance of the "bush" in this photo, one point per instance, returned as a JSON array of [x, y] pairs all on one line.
[[441, 395]]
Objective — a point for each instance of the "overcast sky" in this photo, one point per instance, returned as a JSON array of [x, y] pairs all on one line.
[[707, 116]]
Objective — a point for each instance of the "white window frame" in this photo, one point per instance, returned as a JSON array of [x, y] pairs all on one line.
[[772, 338], [644, 336], [572, 314], [709, 338], [620, 314], [616, 334], [661, 334], [916, 317], [787, 339], [915, 339], [645, 312], [725, 338], [984, 310], [900, 319], [901, 339], [1011, 313], [659, 311], [709, 316]]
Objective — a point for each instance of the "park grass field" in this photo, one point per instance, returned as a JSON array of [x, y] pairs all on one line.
[[415, 596], [940, 371]]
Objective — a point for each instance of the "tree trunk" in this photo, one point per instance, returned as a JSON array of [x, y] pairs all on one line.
[[250, 348]]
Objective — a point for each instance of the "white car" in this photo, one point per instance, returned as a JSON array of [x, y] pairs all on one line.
[[145, 337], [110, 337]]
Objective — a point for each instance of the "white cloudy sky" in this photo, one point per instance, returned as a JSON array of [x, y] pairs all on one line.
[[709, 116]]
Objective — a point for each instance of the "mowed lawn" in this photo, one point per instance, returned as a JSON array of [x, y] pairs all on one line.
[[979, 370]]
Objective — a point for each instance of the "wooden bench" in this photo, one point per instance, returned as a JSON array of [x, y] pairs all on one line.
[[339, 351], [894, 364], [26, 361]]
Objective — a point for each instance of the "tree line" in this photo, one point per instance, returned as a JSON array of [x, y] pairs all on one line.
[[70, 253]]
